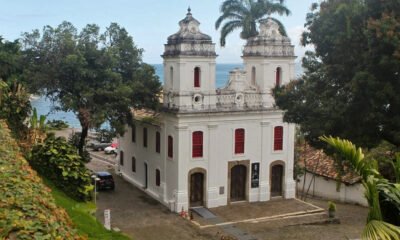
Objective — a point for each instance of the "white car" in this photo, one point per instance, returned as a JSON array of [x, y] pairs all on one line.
[[111, 149]]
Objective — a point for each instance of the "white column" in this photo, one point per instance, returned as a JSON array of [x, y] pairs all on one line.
[[290, 184], [213, 172], [264, 188]]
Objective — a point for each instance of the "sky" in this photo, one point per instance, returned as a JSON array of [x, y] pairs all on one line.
[[149, 22]]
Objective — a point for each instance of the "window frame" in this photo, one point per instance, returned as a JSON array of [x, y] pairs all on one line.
[[158, 177], [197, 77], [197, 144], [145, 137], [133, 167], [239, 146], [278, 138], [158, 142], [170, 147]]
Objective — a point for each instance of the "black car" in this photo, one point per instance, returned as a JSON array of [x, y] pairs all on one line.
[[104, 181]]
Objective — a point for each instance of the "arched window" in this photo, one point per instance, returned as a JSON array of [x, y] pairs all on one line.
[[278, 138], [170, 147], [196, 77], [158, 139], [133, 164], [121, 158], [239, 141], [278, 76], [253, 76], [158, 177], [197, 144], [171, 76]]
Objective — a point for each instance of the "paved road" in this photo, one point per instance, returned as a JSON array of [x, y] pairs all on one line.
[[141, 217]]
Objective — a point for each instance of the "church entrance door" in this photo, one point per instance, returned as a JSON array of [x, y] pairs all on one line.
[[276, 180], [196, 189], [238, 183]]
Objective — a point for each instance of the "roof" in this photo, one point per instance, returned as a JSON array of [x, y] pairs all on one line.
[[146, 115], [316, 161]]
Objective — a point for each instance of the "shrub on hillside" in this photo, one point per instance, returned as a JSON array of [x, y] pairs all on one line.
[[58, 161], [27, 209]]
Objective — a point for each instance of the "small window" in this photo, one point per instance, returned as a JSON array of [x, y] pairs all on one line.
[[170, 147], [239, 141], [278, 77], [196, 77], [144, 137], [121, 158], [278, 138], [134, 133], [158, 139], [133, 164], [253, 76], [158, 178], [171, 76], [197, 144]]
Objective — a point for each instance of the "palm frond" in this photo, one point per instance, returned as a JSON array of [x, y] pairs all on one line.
[[347, 150], [378, 230], [269, 8], [227, 29], [226, 16]]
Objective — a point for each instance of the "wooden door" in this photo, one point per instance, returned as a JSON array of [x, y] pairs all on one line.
[[238, 183], [196, 189], [276, 180]]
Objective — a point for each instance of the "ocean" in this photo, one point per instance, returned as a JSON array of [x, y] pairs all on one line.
[[44, 106]]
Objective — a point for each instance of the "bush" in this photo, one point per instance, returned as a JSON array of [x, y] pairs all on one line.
[[105, 135], [57, 124], [27, 209], [58, 161]]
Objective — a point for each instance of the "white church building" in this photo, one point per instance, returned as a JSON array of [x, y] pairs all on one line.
[[213, 147]]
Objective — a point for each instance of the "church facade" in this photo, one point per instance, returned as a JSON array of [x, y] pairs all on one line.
[[212, 147]]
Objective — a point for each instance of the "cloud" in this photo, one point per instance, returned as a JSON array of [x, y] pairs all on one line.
[[295, 36]]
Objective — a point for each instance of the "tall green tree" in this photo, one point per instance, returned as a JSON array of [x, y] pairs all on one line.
[[376, 187], [351, 82], [244, 14], [14, 98], [97, 76]]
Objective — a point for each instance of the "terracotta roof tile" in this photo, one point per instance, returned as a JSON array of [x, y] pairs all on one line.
[[316, 161]]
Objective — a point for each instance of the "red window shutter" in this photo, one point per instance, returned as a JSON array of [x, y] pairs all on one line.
[[196, 77], [278, 77], [170, 147], [158, 142], [239, 141], [278, 138], [197, 144]]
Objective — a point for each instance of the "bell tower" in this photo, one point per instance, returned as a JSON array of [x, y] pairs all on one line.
[[269, 59], [189, 68]]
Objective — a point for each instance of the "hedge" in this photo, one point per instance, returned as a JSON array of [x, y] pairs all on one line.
[[27, 208]]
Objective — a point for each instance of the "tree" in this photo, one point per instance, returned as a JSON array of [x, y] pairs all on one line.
[[243, 14], [98, 77], [375, 186], [351, 82]]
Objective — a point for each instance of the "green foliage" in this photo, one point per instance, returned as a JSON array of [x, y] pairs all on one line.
[[239, 14], [351, 82], [375, 186], [27, 209], [57, 124], [105, 135], [331, 206], [82, 215], [58, 161], [97, 76]]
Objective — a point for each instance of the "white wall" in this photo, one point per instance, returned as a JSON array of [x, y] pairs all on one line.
[[326, 188]]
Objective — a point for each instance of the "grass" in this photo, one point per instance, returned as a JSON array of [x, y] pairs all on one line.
[[82, 214]]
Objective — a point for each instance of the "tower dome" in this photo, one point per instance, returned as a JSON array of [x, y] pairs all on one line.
[[189, 40], [269, 42]]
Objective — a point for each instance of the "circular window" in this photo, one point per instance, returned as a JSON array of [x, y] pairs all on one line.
[[239, 98], [197, 99]]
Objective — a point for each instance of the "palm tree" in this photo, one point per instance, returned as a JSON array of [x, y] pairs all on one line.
[[244, 14], [374, 184]]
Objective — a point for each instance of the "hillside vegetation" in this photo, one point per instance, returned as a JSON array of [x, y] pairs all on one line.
[[27, 208]]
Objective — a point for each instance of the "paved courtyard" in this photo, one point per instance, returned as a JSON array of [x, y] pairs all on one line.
[[142, 217]]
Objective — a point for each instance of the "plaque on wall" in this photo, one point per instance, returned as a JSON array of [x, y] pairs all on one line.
[[255, 175]]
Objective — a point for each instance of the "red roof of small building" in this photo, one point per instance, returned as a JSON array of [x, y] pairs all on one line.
[[316, 161]]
